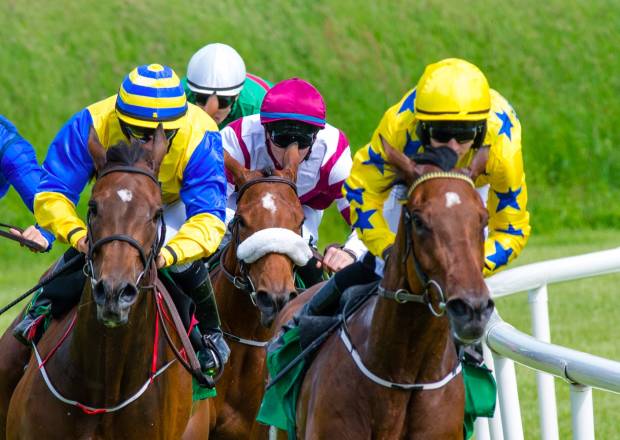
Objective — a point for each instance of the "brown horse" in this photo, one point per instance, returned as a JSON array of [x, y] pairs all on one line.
[[405, 382], [251, 292], [107, 360]]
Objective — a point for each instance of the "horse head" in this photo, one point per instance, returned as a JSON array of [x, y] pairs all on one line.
[[267, 232], [123, 217], [441, 243]]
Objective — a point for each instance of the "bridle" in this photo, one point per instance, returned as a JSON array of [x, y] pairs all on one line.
[[147, 260], [243, 281], [403, 295]]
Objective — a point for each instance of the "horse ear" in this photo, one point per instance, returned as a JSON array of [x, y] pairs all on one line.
[[96, 150], [158, 148], [404, 167], [291, 162], [237, 170], [478, 163]]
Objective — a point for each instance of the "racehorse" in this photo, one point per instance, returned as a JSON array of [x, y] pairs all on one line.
[[392, 371], [254, 280], [100, 372]]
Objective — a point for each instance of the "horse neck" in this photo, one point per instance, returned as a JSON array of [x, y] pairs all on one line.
[[239, 315], [116, 360], [406, 342]]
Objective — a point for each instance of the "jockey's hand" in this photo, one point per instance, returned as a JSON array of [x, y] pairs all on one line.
[[335, 259], [161, 261], [82, 245], [33, 234]]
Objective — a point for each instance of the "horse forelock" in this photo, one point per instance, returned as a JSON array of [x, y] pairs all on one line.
[[125, 154]]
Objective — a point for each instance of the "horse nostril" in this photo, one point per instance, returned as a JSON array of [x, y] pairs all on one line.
[[99, 292], [128, 294], [459, 308], [264, 300]]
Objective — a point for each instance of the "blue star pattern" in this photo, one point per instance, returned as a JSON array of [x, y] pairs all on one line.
[[408, 103], [501, 255], [411, 146], [512, 231], [508, 199], [363, 219], [506, 124], [375, 159], [354, 194]]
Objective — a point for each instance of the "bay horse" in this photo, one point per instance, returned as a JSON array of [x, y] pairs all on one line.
[[101, 376], [254, 280], [392, 371]]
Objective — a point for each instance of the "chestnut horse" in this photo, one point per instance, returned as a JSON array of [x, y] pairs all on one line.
[[101, 375], [265, 233], [392, 372]]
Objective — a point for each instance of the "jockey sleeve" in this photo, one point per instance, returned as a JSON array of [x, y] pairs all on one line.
[[192, 170], [19, 167], [368, 187]]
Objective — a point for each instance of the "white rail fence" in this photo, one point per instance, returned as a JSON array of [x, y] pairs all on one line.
[[505, 345]]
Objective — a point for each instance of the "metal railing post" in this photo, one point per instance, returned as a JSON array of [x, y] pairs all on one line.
[[582, 412], [541, 330], [508, 394]]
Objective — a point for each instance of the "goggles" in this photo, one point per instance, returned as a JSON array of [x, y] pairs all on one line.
[[285, 133], [445, 132], [144, 134], [222, 101]]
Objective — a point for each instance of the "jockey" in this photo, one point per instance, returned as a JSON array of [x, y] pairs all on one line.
[[293, 113], [452, 106], [218, 83], [19, 167], [191, 176]]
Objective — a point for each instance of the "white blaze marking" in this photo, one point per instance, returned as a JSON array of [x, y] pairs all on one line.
[[269, 204], [125, 195], [452, 199]]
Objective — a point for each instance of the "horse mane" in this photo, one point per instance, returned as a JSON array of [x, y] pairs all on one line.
[[267, 171], [124, 154]]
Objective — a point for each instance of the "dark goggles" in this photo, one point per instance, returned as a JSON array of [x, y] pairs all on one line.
[[446, 132], [144, 134], [285, 133], [222, 101]]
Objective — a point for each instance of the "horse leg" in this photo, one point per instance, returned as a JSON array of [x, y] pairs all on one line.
[[15, 356], [198, 425]]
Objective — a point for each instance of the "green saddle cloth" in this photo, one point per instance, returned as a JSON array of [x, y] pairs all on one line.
[[279, 404]]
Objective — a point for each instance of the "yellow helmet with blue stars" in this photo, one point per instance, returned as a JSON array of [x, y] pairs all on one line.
[[151, 94], [452, 90]]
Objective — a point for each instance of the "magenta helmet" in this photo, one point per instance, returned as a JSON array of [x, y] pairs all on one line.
[[293, 99]]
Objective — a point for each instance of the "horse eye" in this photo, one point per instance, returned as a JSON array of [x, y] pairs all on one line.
[[418, 223], [92, 207], [158, 214]]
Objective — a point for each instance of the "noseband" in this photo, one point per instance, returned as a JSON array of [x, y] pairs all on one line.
[[147, 261], [243, 281], [403, 295]]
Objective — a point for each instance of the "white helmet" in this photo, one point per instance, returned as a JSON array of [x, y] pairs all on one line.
[[216, 68]]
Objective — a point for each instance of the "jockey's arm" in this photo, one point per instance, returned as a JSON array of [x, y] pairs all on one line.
[[509, 221], [204, 194], [20, 167], [367, 188], [68, 167]]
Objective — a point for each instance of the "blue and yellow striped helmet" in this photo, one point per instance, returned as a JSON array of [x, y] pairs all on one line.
[[151, 94]]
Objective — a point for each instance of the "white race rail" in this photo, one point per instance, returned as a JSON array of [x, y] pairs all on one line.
[[583, 371]]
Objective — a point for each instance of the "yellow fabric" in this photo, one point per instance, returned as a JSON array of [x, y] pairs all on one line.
[[452, 89], [57, 213], [504, 173], [196, 237], [199, 236]]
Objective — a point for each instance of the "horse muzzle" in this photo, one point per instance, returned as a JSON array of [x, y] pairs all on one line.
[[469, 317], [114, 303], [270, 304]]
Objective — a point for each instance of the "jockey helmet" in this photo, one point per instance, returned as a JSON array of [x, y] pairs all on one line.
[[452, 90], [151, 94], [293, 100], [216, 69]]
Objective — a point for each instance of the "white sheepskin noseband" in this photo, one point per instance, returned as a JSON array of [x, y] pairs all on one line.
[[275, 240]]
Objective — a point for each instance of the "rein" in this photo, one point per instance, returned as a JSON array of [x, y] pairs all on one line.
[[21, 240]]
